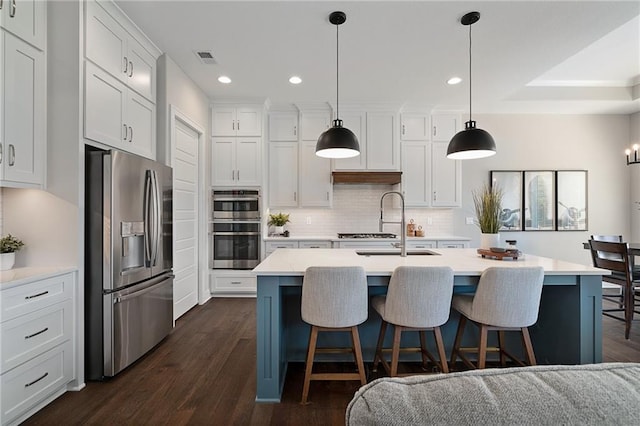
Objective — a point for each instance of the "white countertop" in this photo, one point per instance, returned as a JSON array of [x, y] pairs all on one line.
[[335, 238], [18, 276], [462, 261]]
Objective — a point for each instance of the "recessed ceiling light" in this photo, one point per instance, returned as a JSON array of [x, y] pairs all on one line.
[[295, 80], [224, 79], [454, 80]]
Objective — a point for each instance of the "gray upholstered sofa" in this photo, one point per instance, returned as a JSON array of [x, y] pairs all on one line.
[[595, 394]]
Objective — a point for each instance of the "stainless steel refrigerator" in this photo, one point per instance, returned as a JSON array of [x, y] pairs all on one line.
[[128, 259]]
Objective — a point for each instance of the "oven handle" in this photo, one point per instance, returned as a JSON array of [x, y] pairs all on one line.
[[235, 199], [236, 233]]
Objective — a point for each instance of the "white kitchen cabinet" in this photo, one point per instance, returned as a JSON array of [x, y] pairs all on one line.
[[382, 149], [109, 45], [283, 126], [37, 342], [446, 181], [236, 120], [377, 244], [376, 133], [452, 244], [25, 19], [314, 183], [414, 127], [444, 126], [314, 244], [232, 283], [429, 178], [420, 244], [313, 124], [22, 112], [236, 161], [117, 116], [283, 174], [357, 123], [272, 246], [416, 173]]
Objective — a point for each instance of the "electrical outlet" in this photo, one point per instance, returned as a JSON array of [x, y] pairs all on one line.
[[308, 220], [469, 221], [429, 221]]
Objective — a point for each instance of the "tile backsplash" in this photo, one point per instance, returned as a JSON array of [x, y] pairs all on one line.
[[356, 208]]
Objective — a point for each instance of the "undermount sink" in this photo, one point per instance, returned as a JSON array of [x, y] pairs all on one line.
[[396, 253]]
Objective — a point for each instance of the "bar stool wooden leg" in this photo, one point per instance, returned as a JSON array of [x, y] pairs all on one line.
[[501, 346], [482, 347], [526, 340], [378, 356], [395, 351], [423, 348], [313, 338], [440, 345], [456, 343], [355, 337]]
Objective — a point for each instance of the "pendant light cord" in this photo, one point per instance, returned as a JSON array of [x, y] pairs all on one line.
[[470, 79], [337, 73]]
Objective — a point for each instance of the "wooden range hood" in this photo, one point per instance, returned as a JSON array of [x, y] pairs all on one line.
[[380, 178]]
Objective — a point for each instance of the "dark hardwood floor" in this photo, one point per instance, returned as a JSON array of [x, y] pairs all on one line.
[[204, 374]]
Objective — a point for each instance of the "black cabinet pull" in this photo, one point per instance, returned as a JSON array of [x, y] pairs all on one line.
[[37, 295], [36, 333], [36, 380]]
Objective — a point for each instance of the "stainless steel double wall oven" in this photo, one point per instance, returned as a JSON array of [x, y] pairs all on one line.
[[235, 228]]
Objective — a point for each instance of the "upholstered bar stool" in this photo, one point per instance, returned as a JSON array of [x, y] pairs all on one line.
[[506, 299], [334, 299], [418, 299]]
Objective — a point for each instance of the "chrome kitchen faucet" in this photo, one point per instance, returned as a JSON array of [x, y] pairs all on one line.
[[403, 231]]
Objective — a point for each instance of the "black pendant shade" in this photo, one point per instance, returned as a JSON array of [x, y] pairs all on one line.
[[338, 141], [471, 142]]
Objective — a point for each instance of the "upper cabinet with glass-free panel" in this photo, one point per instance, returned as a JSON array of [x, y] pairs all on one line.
[[26, 19], [283, 126], [415, 127], [444, 126], [236, 120]]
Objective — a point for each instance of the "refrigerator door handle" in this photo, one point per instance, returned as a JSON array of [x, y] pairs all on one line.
[[119, 297], [156, 218], [148, 194]]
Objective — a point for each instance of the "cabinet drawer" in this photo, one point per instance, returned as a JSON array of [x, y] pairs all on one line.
[[29, 335], [363, 245], [234, 284], [314, 244], [29, 297], [413, 245], [25, 386], [453, 244], [272, 245]]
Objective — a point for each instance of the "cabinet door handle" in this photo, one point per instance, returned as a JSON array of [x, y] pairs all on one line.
[[12, 12], [12, 155], [0, 144], [238, 174], [238, 125], [126, 65], [434, 196], [403, 129], [434, 130], [36, 380], [295, 130], [126, 132], [130, 133], [236, 282], [233, 125], [233, 175], [33, 296], [131, 69], [44, 330], [1, 4]]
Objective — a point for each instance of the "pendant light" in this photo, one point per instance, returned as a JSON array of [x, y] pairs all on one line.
[[471, 142], [338, 141]]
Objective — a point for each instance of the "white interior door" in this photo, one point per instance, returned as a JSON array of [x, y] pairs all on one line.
[[185, 217]]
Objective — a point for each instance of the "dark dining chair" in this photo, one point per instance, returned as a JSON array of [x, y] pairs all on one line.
[[615, 257]]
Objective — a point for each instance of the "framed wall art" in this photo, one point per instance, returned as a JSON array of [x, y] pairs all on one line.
[[539, 200], [571, 200], [510, 182]]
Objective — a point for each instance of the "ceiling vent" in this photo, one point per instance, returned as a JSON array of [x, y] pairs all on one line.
[[206, 57]]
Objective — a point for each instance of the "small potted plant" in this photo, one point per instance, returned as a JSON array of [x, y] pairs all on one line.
[[9, 245], [278, 221], [488, 206]]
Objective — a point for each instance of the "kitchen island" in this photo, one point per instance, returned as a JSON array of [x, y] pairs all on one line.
[[568, 331]]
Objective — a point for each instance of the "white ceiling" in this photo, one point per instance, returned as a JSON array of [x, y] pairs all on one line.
[[536, 57]]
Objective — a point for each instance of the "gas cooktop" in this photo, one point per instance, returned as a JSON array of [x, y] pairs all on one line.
[[368, 235]]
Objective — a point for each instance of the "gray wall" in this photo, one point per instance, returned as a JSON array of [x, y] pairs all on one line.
[[553, 142]]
